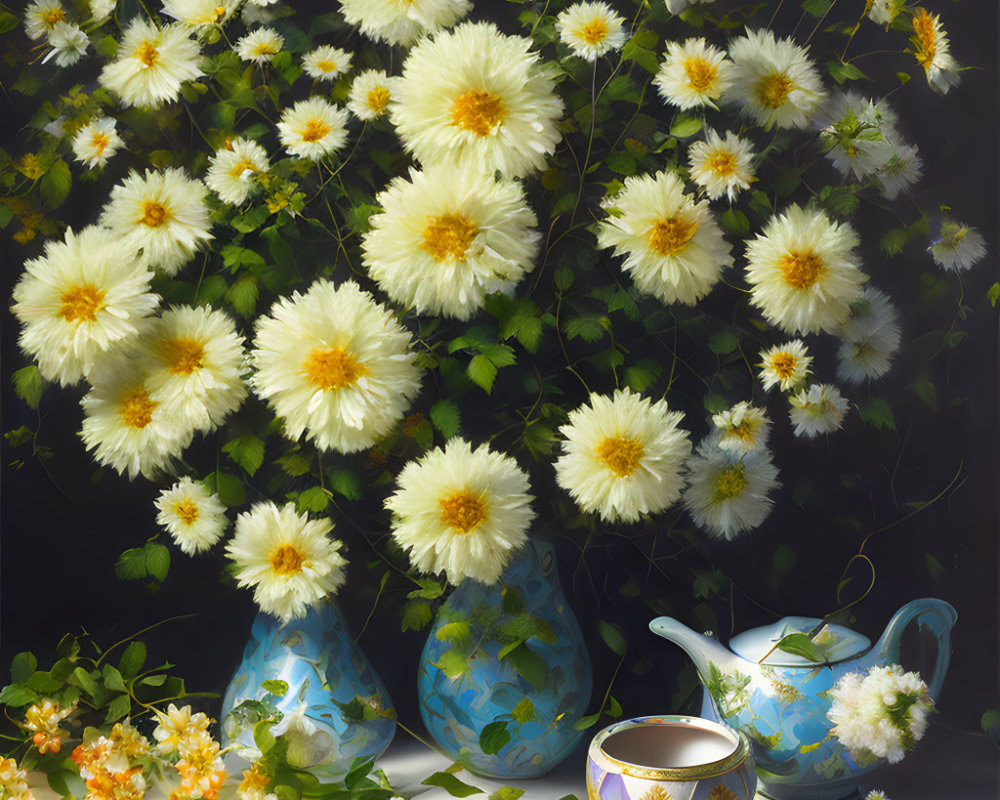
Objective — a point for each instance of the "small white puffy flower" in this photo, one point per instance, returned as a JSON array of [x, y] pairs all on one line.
[[742, 428], [817, 410], [461, 511], [932, 51], [590, 29], [232, 169], [69, 44], [693, 74], [313, 128], [193, 516], [677, 6], [403, 23], [41, 17], [260, 45], [286, 558], [859, 135], [722, 166], [370, 94], [673, 247], [163, 213], [773, 80], [804, 272], [784, 365], [869, 338], [199, 13], [100, 10], [729, 493], [96, 142], [623, 456], [326, 63], [152, 63], [900, 172], [883, 12], [958, 246]]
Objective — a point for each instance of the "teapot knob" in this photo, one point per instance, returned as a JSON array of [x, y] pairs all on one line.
[[939, 617]]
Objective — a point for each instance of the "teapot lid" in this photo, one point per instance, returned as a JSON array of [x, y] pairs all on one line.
[[826, 644]]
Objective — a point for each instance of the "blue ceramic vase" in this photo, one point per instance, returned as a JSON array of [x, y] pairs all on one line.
[[474, 673], [335, 708]]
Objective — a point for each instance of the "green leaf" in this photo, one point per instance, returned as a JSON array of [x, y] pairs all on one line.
[[817, 8], [262, 736], [22, 665], [113, 678], [622, 162], [893, 241], [714, 403], [841, 72], [685, 125], [523, 712], [612, 636], [446, 418], [482, 372], [246, 452], [154, 680], [344, 481], [132, 660], [235, 256], [456, 632], [313, 499], [614, 708], [452, 664], [243, 295], [994, 294], [28, 385], [294, 464], [990, 723], [723, 342], [586, 722], [799, 644], [563, 278], [67, 782], [430, 589], [87, 682], [157, 560], [507, 793], [416, 615], [228, 487], [251, 220], [493, 737], [640, 55], [877, 413], [55, 184], [275, 687], [118, 708], [8, 21], [589, 329], [451, 785], [43, 682], [734, 221], [529, 665], [131, 564]]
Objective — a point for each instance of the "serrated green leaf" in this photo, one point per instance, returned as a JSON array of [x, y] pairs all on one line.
[[457, 632], [228, 487], [87, 682], [640, 55], [523, 712], [131, 564], [507, 793], [842, 72], [43, 682], [612, 636], [723, 342], [132, 660], [734, 221], [446, 418], [518, 629], [28, 385], [119, 707], [113, 678], [817, 8], [453, 664], [893, 241], [451, 785], [345, 481], [994, 294], [416, 615], [799, 644], [589, 329], [685, 125], [313, 499], [246, 452], [243, 295], [877, 413], [482, 372], [494, 737], [22, 665], [157, 560], [55, 184]]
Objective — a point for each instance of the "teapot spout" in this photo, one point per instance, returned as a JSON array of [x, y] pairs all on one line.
[[701, 649]]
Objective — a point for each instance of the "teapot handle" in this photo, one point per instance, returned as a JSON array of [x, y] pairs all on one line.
[[940, 617]]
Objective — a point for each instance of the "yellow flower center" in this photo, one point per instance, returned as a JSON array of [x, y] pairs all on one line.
[[729, 484], [52, 16], [243, 165], [479, 112], [620, 455], [286, 560], [154, 214], [722, 163], [187, 510], [449, 237], [184, 354], [81, 304], [333, 368], [594, 32], [700, 73], [671, 235], [315, 130], [746, 431], [923, 27], [773, 90], [801, 270], [783, 365], [462, 511], [264, 49], [137, 409], [100, 141], [147, 53], [325, 65], [378, 99]]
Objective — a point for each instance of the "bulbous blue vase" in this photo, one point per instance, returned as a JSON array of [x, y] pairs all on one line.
[[336, 707], [512, 656]]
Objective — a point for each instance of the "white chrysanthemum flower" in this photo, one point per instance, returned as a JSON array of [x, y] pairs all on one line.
[[818, 409], [857, 133], [880, 714], [591, 29], [287, 558], [677, 6], [335, 365], [199, 13], [370, 94], [69, 44], [623, 456], [803, 271], [259, 46], [883, 12], [900, 172], [397, 22], [461, 511], [96, 142], [449, 236], [41, 17], [85, 295], [727, 493], [163, 213], [693, 74], [931, 49], [232, 169], [784, 365], [673, 246], [152, 63], [722, 166], [100, 10], [326, 63], [742, 428], [774, 80], [193, 516], [477, 97], [869, 338], [958, 246], [876, 794], [313, 128], [194, 358], [124, 428]]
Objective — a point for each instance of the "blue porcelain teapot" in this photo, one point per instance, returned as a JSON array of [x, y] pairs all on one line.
[[780, 698]]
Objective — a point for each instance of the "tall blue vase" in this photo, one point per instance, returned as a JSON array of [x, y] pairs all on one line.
[[536, 691], [323, 666]]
